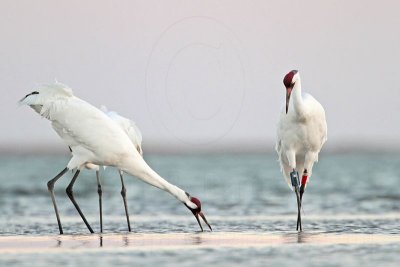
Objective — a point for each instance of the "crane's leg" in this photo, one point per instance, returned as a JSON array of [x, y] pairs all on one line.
[[309, 160], [123, 193], [302, 187], [100, 192], [70, 194], [50, 187], [294, 176]]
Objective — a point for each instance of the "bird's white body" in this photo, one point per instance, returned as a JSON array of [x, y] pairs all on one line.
[[128, 126], [94, 137], [301, 132]]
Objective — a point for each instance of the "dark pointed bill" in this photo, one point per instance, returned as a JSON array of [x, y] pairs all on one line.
[[288, 93], [196, 215], [205, 220], [198, 221]]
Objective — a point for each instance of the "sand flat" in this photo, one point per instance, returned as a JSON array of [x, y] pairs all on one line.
[[134, 241]]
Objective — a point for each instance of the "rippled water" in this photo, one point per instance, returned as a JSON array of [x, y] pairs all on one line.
[[348, 194]]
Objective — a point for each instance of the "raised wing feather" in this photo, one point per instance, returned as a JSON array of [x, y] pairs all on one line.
[[129, 127]]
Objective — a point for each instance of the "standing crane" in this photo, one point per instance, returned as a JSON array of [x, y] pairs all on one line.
[[301, 133]]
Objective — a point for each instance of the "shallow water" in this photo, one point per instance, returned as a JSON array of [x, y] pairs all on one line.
[[349, 196]]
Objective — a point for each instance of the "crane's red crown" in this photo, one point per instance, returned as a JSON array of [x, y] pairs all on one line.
[[288, 80], [197, 202]]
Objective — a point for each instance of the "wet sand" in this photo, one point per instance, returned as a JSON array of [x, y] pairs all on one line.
[[133, 241]]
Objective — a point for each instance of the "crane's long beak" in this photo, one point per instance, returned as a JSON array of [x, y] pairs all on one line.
[[197, 214], [288, 93]]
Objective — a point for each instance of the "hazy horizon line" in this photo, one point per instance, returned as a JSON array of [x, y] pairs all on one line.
[[225, 148]]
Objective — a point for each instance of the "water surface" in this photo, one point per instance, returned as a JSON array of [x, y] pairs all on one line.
[[351, 213]]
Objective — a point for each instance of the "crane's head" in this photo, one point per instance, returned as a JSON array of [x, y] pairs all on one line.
[[289, 81], [194, 205]]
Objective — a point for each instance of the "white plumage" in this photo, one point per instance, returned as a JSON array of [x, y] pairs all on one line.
[[301, 132], [129, 127], [94, 138]]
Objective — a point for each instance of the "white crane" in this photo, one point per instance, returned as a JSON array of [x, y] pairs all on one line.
[[301, 133], [94, 138], [135, 136]]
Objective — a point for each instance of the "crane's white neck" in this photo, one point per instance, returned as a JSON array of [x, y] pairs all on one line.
[[296, 99], [139, 168]]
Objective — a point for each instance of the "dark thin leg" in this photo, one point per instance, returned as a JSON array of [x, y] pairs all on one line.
[[123, 193], [50, 187], [298, 210], [301, 192], [71, 196], [100, 192], [302, 188], [294, 177]]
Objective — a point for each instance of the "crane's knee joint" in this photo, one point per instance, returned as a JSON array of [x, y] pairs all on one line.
[[123, 192], [99, 191], [69, 191], [50, 185]]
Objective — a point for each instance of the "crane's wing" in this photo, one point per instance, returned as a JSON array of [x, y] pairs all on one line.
[[128, 126], [319, 120]]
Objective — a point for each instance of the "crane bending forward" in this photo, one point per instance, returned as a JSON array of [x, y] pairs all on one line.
[[94, 138], [301, 133]]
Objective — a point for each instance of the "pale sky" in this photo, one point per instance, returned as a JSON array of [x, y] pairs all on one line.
[[204, 75]]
